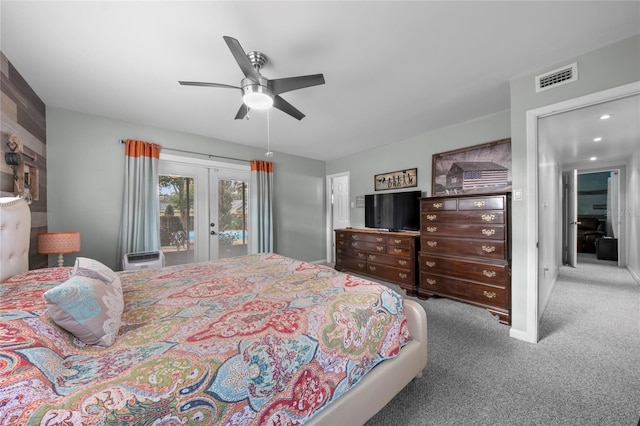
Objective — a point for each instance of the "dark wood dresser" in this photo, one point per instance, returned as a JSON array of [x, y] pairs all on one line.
[[389, 256], [466, 251]]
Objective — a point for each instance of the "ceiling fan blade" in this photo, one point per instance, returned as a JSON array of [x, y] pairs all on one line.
[[282, 85], [199, 83], [242, 112], [242, 60], [286, 107]]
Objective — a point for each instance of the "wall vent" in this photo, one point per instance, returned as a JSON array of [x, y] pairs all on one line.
[[558, 77]]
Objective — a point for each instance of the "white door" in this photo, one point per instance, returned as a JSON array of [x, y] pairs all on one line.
[[339, 208], [203, 210], [571, 217]]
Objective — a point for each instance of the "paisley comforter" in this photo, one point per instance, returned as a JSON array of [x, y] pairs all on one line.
[[259, 339]]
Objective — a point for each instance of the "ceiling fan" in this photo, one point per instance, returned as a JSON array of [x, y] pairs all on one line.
[[259, 92]]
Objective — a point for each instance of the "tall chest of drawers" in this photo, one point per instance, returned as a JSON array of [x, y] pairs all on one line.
[[466, 251], [389, 256]]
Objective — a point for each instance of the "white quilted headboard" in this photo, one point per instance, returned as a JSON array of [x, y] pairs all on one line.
[[15, 233]]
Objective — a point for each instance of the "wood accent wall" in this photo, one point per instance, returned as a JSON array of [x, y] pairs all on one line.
[[23, 114]]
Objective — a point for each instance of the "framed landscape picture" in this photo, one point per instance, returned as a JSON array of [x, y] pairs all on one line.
[[477, 169]]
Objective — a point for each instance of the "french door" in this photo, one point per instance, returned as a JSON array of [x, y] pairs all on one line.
[[203, 209]]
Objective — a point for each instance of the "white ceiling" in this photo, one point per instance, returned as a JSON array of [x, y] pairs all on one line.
[[393, 69], [572, 133]]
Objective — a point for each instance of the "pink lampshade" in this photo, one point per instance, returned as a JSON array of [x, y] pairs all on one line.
[[58, 243]]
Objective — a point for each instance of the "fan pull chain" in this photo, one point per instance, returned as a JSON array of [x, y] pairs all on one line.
[[268, 153]]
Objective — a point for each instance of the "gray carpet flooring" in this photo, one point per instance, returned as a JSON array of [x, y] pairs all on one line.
[[584, 371]]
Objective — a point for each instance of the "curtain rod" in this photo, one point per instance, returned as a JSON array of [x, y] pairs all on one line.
[[201, 153]]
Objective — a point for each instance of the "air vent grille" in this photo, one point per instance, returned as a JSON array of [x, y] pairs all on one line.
[[557, 77]]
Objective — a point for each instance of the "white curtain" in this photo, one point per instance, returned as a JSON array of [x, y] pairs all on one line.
[[261, 207], [140, 223]]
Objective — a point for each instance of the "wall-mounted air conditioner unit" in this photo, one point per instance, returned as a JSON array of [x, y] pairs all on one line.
[[143, 260]]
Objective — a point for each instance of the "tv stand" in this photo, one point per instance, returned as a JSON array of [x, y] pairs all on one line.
[[385, 255]]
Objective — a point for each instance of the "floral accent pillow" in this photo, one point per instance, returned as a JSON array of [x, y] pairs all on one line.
[[89, 308]]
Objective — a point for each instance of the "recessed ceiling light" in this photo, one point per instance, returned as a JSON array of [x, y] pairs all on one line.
[[593, 158], [605, 116], [598, 139]]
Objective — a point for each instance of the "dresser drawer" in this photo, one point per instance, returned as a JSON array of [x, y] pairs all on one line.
[[400, 241], [464, 290], [389, 273], [373, 238], [466, 216], [490, 273], [481, 203], [492, 232], [439, 205], [368, 246], [352, 264], [488, 249], [391, 260], [342, 235]]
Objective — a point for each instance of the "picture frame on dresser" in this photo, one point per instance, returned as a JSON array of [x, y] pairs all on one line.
[[484, 168]]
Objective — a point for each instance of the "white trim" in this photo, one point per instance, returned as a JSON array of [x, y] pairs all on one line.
[[203, 162], [531, 333], [329, 210]]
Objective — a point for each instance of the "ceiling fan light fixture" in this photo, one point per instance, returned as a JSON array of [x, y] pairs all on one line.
[[256, 96]]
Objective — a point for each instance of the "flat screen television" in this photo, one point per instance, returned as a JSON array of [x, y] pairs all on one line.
[[395, 211]]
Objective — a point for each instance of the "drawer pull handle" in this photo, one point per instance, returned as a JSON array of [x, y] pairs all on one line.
[[341, 243], [432, 228], [402, 262], [372, 257], [397, 241], [339, 250], [380, 248], [354, 237], [432, 216], [437, 205], [430, 264], [354, 244], [361, 255], [488, 232], [489, 274], [341, 235], [378, 239], [339, 260], [489, 294], [431, 281], [432, 243], [360, 265], [397, 251], [402, 275], [488, 249], [488, 217], [372, 268], [479, 204]]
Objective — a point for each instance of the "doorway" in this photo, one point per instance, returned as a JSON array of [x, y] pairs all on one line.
[[558, 156], [338, 208], [204, 209]]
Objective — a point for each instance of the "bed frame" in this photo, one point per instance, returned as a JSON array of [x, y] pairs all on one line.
[[386, 379], [15, 234]]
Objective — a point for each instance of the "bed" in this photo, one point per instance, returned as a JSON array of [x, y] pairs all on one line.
[[258, 339]]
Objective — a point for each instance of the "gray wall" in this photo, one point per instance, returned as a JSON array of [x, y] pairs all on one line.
[[415, 152], [86, 166], [602, 69]]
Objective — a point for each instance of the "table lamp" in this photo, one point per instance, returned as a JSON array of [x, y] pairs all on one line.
[[58, 243]]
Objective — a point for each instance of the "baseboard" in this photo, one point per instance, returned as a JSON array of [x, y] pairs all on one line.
[[319, 262], [635, 276], [522, 335]]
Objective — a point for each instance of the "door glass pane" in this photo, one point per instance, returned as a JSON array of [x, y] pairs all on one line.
[[177, 236], [233, 217]]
